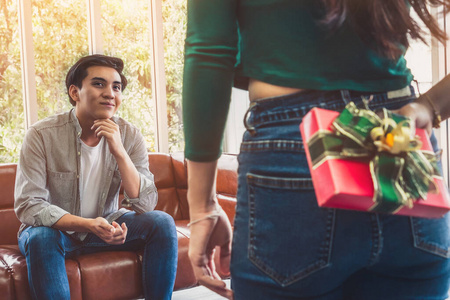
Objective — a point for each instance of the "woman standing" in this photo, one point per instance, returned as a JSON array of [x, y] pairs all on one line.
[[292, 56]]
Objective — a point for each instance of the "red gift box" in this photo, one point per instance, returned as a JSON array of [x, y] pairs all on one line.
[[347, 184]]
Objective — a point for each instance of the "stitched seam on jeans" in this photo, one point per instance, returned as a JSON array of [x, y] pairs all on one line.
[[291, 112], [275, 145], [279, 182], [330, 231], [276, 116], [101, 245], [420, 243], [377, 240]]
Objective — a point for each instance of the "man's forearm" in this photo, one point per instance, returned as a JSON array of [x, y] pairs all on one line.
[[70, 222], [129, 174]]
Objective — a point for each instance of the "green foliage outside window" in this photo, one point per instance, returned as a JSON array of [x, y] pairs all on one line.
[[174, 30]]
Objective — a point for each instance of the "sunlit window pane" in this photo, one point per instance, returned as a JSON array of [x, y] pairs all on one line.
[[12, 121], [126, 34], [418, 58], [419, 61], [174, 26], [60, 38]]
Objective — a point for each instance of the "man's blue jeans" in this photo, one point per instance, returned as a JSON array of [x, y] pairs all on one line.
[[46, 248], [285, 247]]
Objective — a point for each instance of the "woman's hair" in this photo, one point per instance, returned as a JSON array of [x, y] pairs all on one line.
[[385, 24]]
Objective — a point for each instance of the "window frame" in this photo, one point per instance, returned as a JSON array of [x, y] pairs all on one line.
[[95, 40], [440, 68], [27, 62]]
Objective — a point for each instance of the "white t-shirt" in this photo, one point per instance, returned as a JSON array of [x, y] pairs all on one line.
[[92, 168]]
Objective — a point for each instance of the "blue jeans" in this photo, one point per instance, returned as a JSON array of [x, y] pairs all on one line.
[[46, 248], [286, 247]]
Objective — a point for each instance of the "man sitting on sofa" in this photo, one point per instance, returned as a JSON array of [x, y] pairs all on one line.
[[67, 186]]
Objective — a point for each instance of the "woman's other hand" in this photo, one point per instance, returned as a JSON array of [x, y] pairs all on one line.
[[206, 234], [420, 113]]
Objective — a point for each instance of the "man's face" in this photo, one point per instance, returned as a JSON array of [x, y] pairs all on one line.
[[100, 95]]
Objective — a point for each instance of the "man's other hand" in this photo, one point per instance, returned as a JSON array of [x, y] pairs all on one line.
[[113, 234]]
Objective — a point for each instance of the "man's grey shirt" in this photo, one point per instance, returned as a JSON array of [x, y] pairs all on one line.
[[47, 179]]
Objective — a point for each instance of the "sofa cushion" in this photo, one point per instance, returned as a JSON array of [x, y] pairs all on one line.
[[99, 270]]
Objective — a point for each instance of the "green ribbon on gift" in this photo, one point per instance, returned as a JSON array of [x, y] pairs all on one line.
[[401, 172]]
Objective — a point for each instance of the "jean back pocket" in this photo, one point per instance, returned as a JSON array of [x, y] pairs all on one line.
[[290, 237], [432, 235]]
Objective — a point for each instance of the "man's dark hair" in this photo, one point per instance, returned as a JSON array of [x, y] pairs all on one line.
[[78, 71]]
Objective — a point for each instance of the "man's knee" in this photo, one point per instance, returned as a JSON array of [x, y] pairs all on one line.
[[43, 237], [163, 223], [162, 218]]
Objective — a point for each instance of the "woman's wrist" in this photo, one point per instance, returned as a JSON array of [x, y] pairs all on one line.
[[198, 210], [201, 194], [435, 115], [212, 215]]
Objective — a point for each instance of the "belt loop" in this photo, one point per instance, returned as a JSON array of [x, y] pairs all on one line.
[[417, 87], [366, 101], [249, 128], [345, 94]]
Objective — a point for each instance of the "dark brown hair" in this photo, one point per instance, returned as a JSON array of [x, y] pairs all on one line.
[[78, 71], [385, 24]]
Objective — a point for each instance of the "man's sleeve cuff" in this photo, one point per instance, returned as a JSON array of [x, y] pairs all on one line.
[[49, 216]]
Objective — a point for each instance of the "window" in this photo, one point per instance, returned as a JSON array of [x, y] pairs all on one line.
[[45, 38]]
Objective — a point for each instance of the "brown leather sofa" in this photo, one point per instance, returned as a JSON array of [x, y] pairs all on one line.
[[112, 275]]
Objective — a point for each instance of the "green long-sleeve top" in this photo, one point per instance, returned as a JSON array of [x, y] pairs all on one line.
[[276, 41]]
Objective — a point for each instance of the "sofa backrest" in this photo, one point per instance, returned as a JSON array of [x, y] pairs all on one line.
[[9, 224], [171, 181], [170, 178]]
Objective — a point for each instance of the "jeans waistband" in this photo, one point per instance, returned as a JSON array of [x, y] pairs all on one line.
[[295, 106]]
